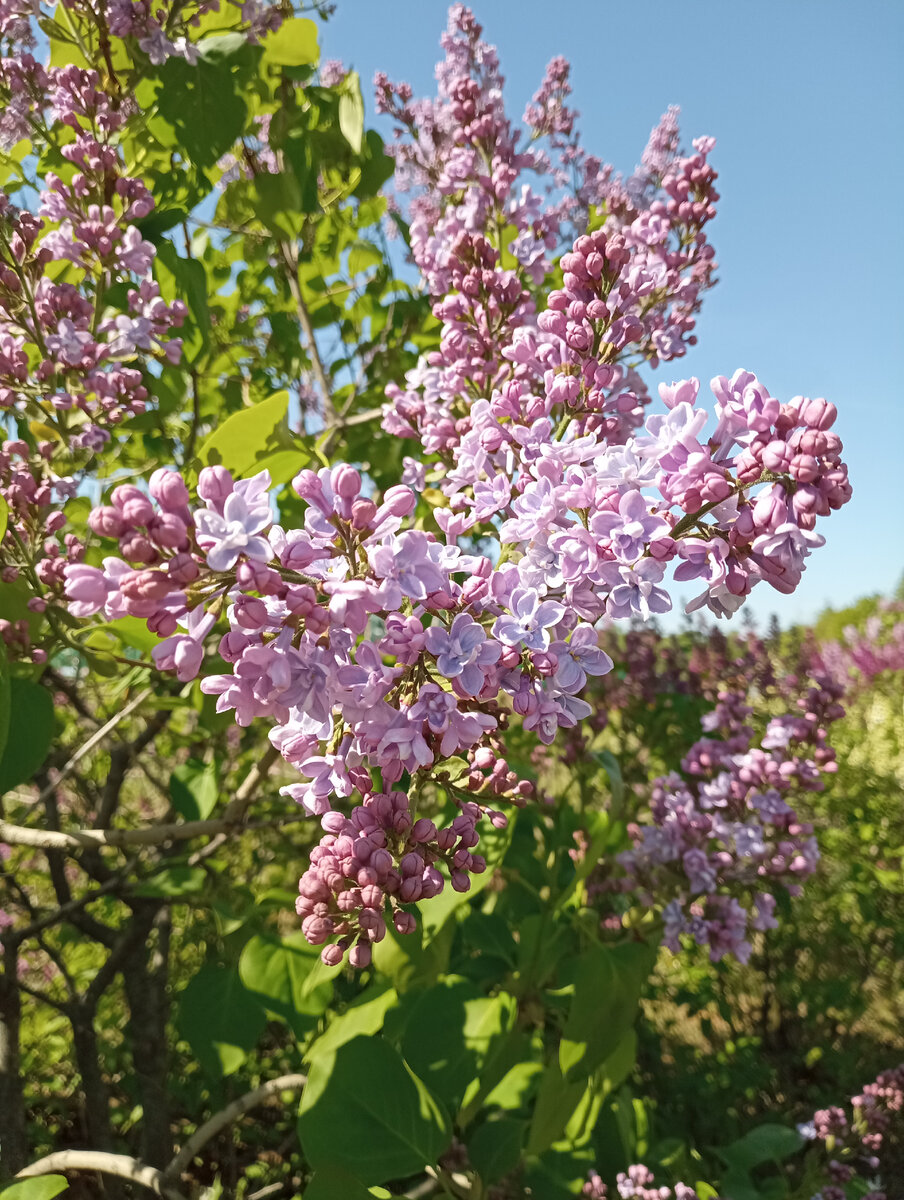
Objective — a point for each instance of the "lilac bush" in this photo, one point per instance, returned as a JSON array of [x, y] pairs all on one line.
[[403, 554]]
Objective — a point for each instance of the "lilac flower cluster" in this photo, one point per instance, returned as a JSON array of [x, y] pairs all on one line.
[[83, 379], [375, 859], [76, 344], [726, 828], [466, 167], [36, 541], [637, 1183], [368, 643], [857, 1140], [861, 655]]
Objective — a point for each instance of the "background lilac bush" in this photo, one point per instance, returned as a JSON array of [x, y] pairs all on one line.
[[317, 563]]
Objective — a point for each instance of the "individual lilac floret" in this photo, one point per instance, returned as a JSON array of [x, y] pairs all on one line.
[[405, 561], [226, 538], [184, 652], [530, 620], [462, 651], [630, 528], [579, 657], [635, 592]]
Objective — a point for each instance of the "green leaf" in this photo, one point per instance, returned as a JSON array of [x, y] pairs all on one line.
[[4, 517], [29, 732], [559, 1096], [173, 882], [278, 204], [186, 279], [200, 105], [351, 111], [365, 1109], [198, 108], [294, 44], [335, 1183], [450, 1034], [364, 1016], [134, 632], [255, 439], [515, 1087], [556, 1101], [376, 167], [766, 1143], [276, 971], [489, 934], [43, 1187], [219, 1019], [609, 762], [495, 1148], [413, 959], [599, 1014], [193, 789]]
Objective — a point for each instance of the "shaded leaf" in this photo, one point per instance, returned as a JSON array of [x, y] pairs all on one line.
[[277, 971], [219, 1019], [173, 882], [193, 789], [200, 105], [29, 732], [365, 1109], [495, 1148]]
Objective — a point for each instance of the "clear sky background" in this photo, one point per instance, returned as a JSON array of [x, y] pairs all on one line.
[[806, 99]]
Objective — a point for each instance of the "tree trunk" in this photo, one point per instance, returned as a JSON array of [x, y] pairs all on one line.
[[146, 977], [13, 1146]]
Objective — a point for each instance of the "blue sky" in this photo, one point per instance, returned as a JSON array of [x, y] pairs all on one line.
[[806, 99]]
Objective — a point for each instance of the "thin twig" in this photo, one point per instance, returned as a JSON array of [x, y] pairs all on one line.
[[244, 793], [95, 738], [270, 1190], [210, 1129], [234, 812], [290, 261]]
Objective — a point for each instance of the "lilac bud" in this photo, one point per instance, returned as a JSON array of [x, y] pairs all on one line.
[[183, 570], [346, 481], [136, 509], [360, 955], [169, 531], [332, 956], [404, 922], [107, 521], [168, 489], [215, 484], [411, 889], [400, 501], [363, 514], [423, 830]]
